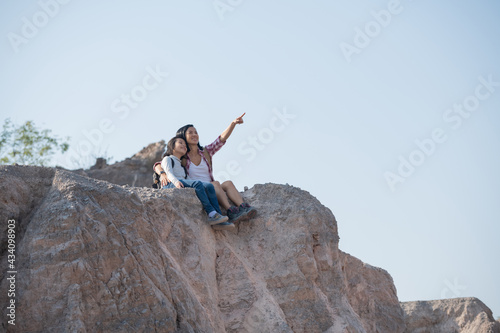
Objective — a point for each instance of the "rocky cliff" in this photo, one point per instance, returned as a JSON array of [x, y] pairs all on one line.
[[92, 256], [465, 315]]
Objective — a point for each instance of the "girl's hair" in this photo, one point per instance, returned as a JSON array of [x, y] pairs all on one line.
[[171, 145], [181, 132]]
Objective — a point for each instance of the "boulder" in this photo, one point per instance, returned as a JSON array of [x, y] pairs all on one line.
[[134, 171], [464, 315]]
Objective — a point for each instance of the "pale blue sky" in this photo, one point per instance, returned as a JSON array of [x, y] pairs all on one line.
[[345, 119]]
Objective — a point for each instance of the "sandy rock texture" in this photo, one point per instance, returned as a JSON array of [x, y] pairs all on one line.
[[371, 293], [92, 256], [464, 315]]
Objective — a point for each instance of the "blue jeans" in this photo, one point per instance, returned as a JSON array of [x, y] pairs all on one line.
[[204, 191]]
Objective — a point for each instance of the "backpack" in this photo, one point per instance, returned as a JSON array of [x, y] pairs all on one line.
[[156, 177]]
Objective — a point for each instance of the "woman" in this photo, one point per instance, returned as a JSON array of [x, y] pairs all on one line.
[[199, 167], [198, 163], [177, 175]]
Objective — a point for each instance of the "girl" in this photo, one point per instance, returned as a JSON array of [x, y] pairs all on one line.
[[177, 175]]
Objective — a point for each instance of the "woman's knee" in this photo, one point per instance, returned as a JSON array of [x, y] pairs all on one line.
[[228, 185], [216, 185]]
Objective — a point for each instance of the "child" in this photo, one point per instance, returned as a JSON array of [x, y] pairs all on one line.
[[176, 174]]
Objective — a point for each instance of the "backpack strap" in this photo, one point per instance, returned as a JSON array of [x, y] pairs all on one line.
[[156, 181]]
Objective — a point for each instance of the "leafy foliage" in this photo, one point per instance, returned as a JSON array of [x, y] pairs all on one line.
[[26, 144]]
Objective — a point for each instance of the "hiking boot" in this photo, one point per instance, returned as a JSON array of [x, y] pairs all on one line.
[[223, 226], [235, 214], [217, 218], [250, 212]]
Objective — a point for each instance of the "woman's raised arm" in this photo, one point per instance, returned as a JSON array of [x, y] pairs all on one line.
[[227, 132]]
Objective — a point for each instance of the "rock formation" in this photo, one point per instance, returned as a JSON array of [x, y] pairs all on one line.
[[135, 171], [371, 292], [92, 256], [465, 315]]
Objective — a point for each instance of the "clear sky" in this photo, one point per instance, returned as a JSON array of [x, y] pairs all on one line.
[[386, 111]]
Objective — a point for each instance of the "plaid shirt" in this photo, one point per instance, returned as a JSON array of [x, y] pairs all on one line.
[[211, 149]]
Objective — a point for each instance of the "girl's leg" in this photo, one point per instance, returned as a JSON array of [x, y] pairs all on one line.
[[200, 193], [210, 190], [221, 195], [232, 193]]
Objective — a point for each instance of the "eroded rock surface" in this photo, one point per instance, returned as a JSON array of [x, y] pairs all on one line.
[[372, 295], [464, 315], [134, 171]]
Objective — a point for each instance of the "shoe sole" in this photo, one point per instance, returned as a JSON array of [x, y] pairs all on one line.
[[242, 217], [223, 227], [251, 213], [224, 219]]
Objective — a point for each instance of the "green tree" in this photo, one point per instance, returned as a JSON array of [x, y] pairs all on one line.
[[27, 144]]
